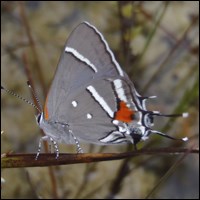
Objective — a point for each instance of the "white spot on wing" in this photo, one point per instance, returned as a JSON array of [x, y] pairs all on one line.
[[121, 73], [89, 116], [80, 57], [100, 100], [74, 103], [116, 122]]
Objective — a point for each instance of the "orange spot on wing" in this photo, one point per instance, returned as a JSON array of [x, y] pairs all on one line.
[[124, 113], [46, 113]]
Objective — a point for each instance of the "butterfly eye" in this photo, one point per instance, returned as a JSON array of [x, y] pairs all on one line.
[[148, 120]]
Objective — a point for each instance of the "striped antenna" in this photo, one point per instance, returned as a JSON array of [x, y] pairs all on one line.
[[35, 96], [157, 113], [184, 115], [20, 97], [168, 136]]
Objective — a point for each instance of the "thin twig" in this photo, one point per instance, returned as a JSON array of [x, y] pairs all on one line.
[[48, 159]]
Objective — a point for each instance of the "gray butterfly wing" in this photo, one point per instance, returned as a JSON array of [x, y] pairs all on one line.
[[85, 72], [72, 72], [89, 117]]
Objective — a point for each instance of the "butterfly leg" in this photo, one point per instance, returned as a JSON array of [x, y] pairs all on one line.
[[56, 151], [44, 138], [47, 138], [78, 147]]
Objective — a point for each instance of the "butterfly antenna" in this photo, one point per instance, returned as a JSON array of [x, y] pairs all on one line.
[[35, 96], [157, 113], [170, 137], [20, 97]]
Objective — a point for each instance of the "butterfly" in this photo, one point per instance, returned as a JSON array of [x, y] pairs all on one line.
[[92, 99]]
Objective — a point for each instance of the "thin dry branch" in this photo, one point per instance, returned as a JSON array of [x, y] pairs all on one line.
[[49, 159]]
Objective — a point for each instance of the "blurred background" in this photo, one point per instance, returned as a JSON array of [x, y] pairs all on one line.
[[156, 43]]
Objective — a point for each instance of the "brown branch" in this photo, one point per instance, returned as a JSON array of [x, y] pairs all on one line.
[[48, 159], [31, 41]]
